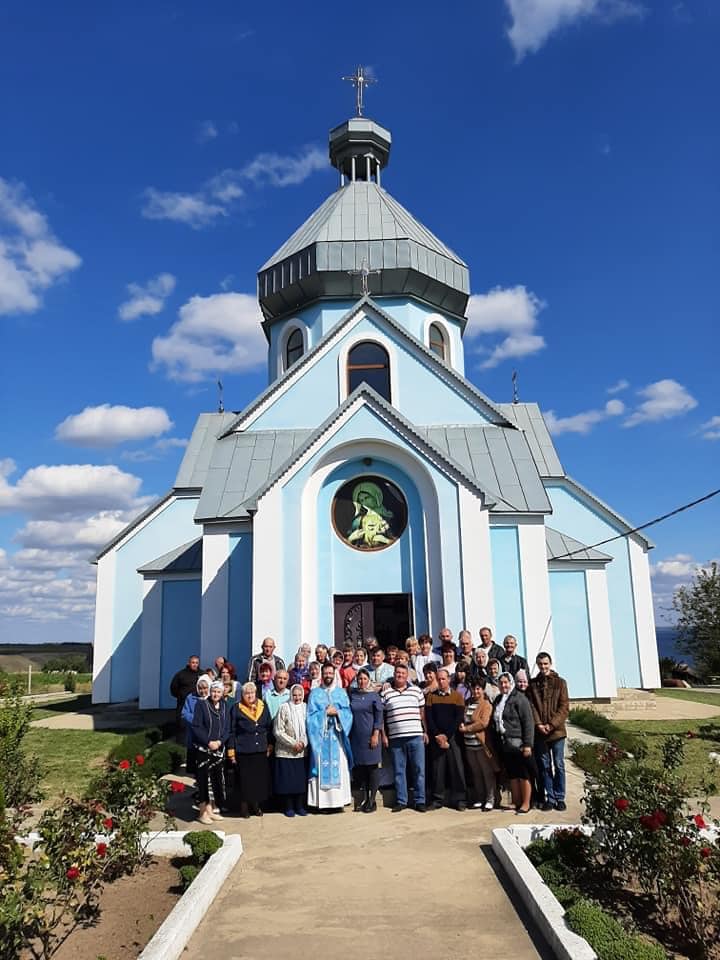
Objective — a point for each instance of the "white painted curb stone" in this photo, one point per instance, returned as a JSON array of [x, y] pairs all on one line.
[[538, 899], [180, 924]]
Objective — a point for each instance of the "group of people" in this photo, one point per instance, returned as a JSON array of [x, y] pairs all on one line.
[[447, 726]]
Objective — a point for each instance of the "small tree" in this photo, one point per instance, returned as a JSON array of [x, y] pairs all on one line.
[[697, 605]]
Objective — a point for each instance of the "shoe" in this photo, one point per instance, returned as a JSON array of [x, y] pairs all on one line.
[[561, 805], [398, 808], [478, 806], [461, 806], [206, 819], [547, 806], [302, 812], [520, 811], [435, 805], [488, 805], [216, 816], [420, 808], [369, 807], [289, 813], [258, 811]]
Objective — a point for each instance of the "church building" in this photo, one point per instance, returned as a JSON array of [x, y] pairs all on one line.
[[371, 489]]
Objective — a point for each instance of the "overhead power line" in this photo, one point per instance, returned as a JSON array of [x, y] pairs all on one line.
[[643, 526]]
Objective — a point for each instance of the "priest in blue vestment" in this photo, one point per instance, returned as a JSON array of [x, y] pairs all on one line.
[[329, 719]]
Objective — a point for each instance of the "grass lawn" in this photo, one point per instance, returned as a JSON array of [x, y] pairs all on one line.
[[696, 748], [698, 696], [70, 758]]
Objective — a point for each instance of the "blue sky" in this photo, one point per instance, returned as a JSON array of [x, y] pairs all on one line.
[[155, 155]]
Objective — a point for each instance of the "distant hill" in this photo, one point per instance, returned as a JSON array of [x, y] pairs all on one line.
[[16, 657]]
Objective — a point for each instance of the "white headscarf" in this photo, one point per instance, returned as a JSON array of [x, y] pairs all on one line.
[[500, 703], [297, 712], [204, 679]]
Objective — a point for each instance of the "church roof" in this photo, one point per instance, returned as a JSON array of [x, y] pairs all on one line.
[[192, 472], [495, 460], [528, 418], [183, 559], [559, 545]]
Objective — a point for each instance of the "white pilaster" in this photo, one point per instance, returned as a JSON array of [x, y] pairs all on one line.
[[102, 641], [215, 595], [600, 632], [151, 644], [478, 593], [644, 615], [535, 589], [268, 553]]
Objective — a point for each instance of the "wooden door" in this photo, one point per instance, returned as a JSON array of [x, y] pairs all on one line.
[[354, 620]]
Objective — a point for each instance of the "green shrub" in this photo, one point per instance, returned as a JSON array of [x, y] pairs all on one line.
[[539, 851], [552, 872], [586, 756], [188, 874], [203, 843], [600, 726], [20, 775], [163, 758], [70, 682], [134, 744], [605, 935]]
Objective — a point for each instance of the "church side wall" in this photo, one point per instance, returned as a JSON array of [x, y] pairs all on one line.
[[581, 521], [180, 633], [240, 600], [571, 631], [171, 527], [509, 614]]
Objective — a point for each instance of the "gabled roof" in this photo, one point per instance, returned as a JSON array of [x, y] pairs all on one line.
[[184, 559], [613, 516], [161, 501], [196, 459], [527, 417], [446, 372], [559, 545]]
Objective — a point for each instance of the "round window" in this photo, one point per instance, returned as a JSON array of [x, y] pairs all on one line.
[[369, 513]]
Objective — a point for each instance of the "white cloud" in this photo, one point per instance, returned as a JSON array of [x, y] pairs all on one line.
[[84, 534], [663, 399], [106, 426], [187, 208], [711, 429], [214, 335], [618, 387], [681, 565], [31, 256], [147, 299], [669, 574], [512, 312], [534, 21], [206, 131], [217, 195], [156, 451], [68, 490], [582, 422]]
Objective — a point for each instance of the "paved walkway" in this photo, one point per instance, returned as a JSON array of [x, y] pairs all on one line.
[[411, 885], [667, 708]]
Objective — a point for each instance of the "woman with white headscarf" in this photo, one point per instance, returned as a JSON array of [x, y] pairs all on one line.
[[289, 768], [210, 731], [513, 721]]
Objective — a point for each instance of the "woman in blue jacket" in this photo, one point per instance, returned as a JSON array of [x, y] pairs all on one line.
[[210, 731]]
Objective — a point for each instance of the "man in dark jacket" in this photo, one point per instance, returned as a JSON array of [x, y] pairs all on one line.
[[511, 661], [550, 705], [444, 714], [266, 655], [183, 683], [493, 650]]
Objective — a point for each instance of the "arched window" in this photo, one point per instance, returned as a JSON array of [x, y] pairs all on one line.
[[369, 363], [438, 341], [294, 348]]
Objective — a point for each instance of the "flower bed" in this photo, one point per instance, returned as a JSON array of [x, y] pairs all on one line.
[[641, 878]]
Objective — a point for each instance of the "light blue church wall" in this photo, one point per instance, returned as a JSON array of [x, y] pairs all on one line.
[[418, 392], [240, 600], [400, 568], [571, 631], [318, 318], [180, 631], [573, 517], [507, 585], [173, 526]]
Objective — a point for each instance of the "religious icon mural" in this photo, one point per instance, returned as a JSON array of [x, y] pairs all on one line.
[[369, 513]]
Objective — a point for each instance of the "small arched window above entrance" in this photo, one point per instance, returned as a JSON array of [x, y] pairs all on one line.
[[438, 341], [369, 363], [294, 348]]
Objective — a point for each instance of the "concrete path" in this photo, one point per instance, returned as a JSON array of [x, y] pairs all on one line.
[[667, 708], [355, 886]]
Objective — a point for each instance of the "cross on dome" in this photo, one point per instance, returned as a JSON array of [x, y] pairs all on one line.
[[360, 80]]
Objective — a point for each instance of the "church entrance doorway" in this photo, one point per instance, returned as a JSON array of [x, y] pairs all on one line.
[[386, 616]]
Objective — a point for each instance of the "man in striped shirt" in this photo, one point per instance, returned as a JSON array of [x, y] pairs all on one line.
[[406, 737]]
